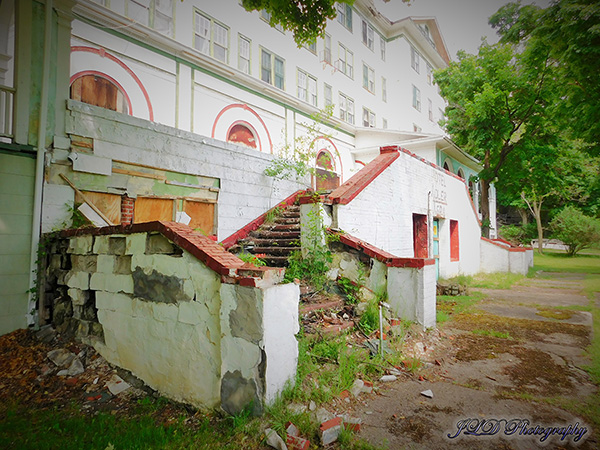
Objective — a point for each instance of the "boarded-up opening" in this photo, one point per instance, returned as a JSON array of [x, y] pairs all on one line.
[[148, 209], [202, 214], [98, 91], [420, 238], [109, 204], [454, 247]]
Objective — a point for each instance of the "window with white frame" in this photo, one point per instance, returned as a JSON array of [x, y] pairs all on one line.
[[383, 89], [416, 128], [312, 47], [368, 35], [157, 14], [429, 74], [328, 94], [368, 118], [368, 78], [243, 54], [326, 49], [346, 108], [384, 123], [440, 114], [345, 61], [415, 59], [382, 48], [344, 15], [272, 69], [430, 109], [266, 16], [211, 37], [416, 98], [307, 87]]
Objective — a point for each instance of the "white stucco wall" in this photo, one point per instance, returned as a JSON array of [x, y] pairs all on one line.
[[411, 293], [498, 258], [280, 322], [381, 214]]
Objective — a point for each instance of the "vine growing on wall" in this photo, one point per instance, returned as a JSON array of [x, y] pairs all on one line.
[[296, 160]]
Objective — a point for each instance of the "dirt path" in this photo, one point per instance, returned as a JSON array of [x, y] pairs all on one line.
[[512, 364]]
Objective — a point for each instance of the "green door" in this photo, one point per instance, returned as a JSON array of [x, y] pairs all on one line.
[[436, 246], [17, 175]]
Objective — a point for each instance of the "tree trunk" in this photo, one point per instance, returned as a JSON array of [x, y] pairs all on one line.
[[485, 208], [524, 216], [537, 211]]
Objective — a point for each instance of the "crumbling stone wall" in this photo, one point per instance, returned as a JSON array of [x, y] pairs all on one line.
[[203, 332]]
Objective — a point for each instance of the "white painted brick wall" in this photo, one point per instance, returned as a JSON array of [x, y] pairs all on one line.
[[382, 213]]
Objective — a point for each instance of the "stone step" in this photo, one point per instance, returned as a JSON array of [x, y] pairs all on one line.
[[290, 227], [269, 234], [274, 250], [276, 242], [287, 220]]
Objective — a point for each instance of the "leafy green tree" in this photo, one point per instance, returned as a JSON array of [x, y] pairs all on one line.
[[569, 31], [306, 19], [497, 105], [575, 229], [549, 169]]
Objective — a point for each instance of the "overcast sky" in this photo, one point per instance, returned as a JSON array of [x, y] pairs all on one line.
[[462, 22]]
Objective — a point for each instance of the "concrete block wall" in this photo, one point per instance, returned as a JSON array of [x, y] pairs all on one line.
[[191, 320], [245, 191]]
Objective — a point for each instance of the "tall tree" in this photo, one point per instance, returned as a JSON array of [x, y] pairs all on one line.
[[569, 30], [497, 104]]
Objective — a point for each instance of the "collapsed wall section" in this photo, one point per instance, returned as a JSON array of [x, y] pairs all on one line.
[[191, 320]]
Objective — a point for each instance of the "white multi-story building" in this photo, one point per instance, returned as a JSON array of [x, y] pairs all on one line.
[[152, 108]]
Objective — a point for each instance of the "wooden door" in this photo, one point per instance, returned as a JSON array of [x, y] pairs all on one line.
[[420, 242]]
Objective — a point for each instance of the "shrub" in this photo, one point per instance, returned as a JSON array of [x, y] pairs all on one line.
[[576, 230]]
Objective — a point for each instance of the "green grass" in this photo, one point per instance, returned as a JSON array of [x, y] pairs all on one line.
[[499, 280], [493, 333], [553, 261], [448, 305], [25, 427]]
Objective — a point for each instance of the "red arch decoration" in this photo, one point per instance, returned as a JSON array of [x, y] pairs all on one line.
[[109, 78], [246, 108], [325, 138], [102, 53], [250, 127]]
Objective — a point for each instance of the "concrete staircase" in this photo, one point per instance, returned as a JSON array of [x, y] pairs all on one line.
[[274, 241]]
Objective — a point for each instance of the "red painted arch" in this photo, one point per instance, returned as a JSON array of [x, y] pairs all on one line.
[[246, 108], [247, 125], [102, 53], [109, 78], [325, 138]]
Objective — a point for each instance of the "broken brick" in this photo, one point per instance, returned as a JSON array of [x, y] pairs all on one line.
[[297, 443], [330, 430]]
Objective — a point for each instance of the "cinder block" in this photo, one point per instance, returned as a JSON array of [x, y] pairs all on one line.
[[114, 302], [101, 245], [105, 263], [79, 280], [98, 281], [80, 245], [330, 430], [119, 283], [83, 263], [135, 244], [78, 297]]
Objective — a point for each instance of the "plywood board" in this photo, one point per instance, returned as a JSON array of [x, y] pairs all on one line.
[[147, 209], [109, 204], [202, 214]]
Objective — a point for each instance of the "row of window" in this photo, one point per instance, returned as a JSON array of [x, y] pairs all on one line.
[[416, 103], [415, 63], [344, 16]]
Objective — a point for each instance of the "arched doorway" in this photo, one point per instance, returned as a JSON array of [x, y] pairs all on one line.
[[98, 90], [326, 177], [243, 134]]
